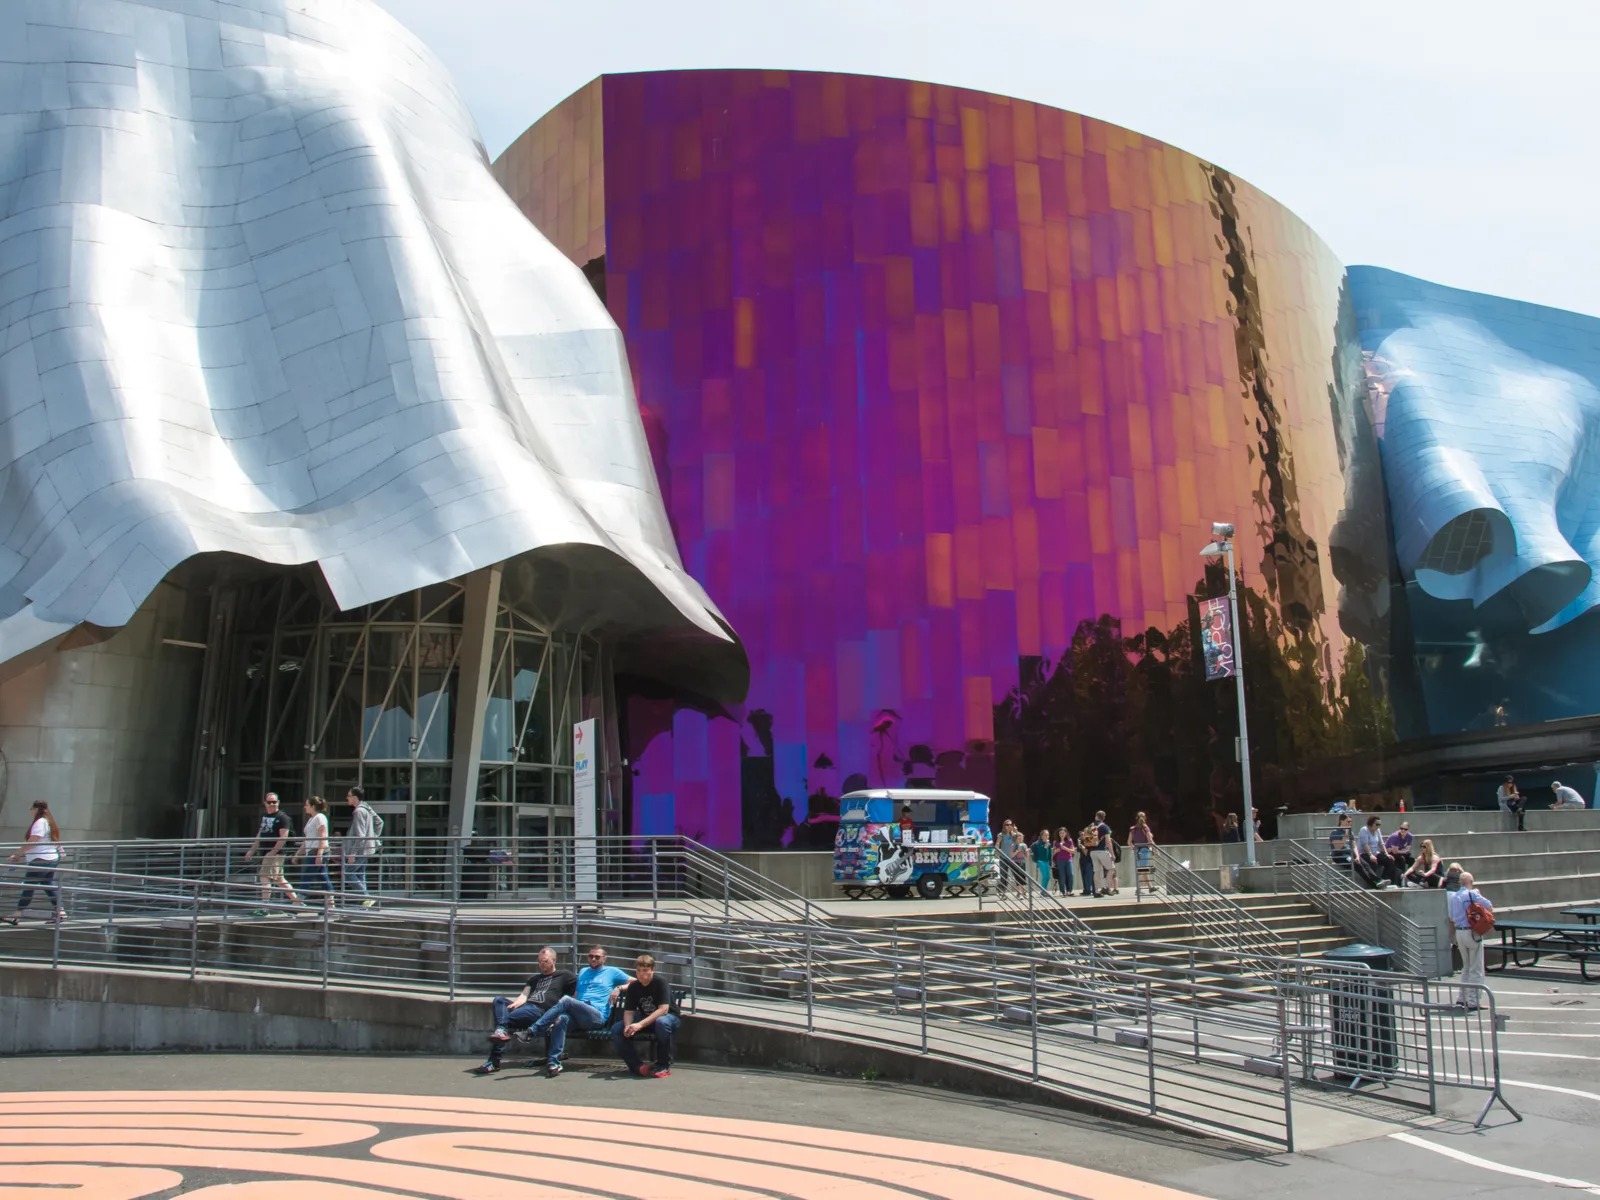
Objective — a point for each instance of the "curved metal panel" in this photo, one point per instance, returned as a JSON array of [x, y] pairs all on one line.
[[259, 294]]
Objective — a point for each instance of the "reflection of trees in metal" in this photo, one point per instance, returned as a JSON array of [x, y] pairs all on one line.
[[1291, 564], [1129, 723]]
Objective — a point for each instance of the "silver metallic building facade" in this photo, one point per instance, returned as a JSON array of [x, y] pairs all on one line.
[[261, 302]]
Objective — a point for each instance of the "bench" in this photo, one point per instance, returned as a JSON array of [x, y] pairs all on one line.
[[1581, 943], [524, 1038]]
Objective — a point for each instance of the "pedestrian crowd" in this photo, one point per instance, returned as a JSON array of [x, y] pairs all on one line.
[[1088, 860]]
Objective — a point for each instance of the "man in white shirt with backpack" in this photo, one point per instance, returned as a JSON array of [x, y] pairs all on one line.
[[1469, 941], [360, 844]]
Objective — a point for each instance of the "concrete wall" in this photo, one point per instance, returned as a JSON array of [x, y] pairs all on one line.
[[806, 872], [83, 1011], [104, 732]]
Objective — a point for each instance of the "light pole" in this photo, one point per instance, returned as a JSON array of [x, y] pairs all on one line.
[[1222, 547]]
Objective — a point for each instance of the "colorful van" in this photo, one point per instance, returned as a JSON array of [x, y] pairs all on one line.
[[892, 841]]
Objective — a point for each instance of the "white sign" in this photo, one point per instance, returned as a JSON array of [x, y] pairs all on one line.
[[585, 872]]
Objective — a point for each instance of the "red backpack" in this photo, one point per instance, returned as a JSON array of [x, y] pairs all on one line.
[[1479, 919]]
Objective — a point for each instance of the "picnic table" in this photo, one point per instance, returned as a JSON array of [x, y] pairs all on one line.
[[1581, 943], [1588, 914]]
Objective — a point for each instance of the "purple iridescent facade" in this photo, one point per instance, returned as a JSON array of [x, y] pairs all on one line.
[[944, 391]]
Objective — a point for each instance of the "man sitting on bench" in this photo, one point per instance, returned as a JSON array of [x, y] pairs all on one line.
[[538, 996], [597, 989], [646, 1004]]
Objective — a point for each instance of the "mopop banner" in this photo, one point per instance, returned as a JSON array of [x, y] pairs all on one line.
[[1216, 638]]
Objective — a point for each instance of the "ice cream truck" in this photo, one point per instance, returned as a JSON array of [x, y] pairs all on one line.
[[893, 841]]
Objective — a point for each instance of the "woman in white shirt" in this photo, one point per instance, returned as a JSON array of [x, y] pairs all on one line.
[[314, 851], [42, 853]]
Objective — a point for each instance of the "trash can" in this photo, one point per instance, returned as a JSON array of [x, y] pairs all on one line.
[[1361, 1013]]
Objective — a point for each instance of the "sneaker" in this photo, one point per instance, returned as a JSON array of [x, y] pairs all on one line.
[[368, 903], [660, 1072], [646, 1071], [552, 1070], [259, 912], [61, 914], [487, 1067], [499, 1034]]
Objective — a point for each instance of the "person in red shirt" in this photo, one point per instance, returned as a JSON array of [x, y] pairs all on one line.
[[907, 825]]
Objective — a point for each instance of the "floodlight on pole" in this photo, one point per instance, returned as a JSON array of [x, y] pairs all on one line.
[[1222, 547]]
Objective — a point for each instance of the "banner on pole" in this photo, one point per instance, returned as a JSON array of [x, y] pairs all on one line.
[[585, 866], [1216, 638]]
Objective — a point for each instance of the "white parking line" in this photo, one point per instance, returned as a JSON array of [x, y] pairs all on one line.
[[1550, 1087], [1488, 1165], [1542, 1054]]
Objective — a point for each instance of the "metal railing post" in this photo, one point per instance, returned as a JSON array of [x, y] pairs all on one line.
[[1150, 1045], [994, 970], [724, 891], [111, 903], [810, 1027], [1194, 1004], [1288, 1087], [450, 964], [1033, 1010], [1427, 1041], [922, 987], [655, 876], [194, 932], [692, 970]]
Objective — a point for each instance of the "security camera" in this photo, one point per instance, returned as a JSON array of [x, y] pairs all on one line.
[[1221, 531]]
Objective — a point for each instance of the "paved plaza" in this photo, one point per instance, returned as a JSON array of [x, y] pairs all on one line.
[[239, 1127]]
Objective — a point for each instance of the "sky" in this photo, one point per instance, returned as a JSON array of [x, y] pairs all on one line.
[[1457, 140]]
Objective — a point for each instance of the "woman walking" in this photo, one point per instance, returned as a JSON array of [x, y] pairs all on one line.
[[42, 855], [1141, 839], [1041, 858], [1066, 850], [313, 854]]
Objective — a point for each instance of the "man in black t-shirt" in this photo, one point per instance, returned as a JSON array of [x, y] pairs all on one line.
[[538, 994], [646, 1004], [271, 840]]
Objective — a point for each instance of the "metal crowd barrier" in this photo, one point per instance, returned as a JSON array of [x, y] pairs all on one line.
[[1200, 1048]]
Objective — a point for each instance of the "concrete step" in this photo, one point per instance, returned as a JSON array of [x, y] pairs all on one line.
[[1544, 891]]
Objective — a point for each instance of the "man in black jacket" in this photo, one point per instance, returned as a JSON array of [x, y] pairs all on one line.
[[537, 995]]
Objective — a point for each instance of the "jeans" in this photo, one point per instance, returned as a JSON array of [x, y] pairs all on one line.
[[508, 1018], [1064, 876], [1086, 872], [43, 878], [355, 875], [314, 878], [1044, 874], [566, 1011], [665, 1027]]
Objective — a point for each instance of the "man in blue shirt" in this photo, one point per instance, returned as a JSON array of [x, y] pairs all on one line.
[[598, 988], [1469, 943]]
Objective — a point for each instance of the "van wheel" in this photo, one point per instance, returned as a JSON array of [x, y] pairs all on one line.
[[899, 891], [929, 886]]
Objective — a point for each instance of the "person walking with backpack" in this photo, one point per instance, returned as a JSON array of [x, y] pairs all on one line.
[[1472, 917], [360, 844]]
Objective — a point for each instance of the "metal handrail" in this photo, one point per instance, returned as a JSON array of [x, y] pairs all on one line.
[[1211, 913], [1198, 1039], [1358, 910]]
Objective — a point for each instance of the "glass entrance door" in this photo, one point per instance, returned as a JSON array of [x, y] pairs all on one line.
[[542, 848]]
